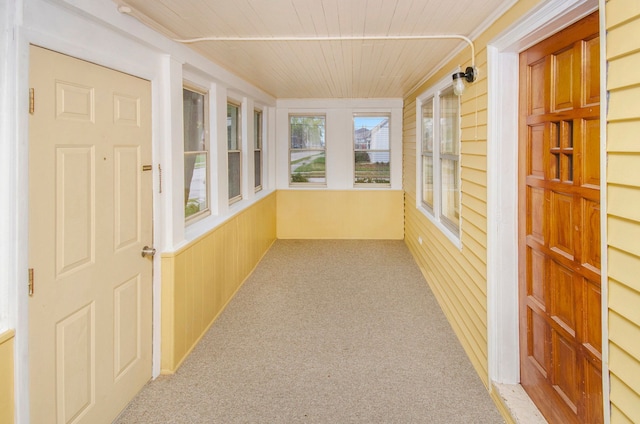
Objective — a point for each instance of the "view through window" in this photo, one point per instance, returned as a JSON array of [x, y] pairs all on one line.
[[307, 151], [196, 154], [371, 149]]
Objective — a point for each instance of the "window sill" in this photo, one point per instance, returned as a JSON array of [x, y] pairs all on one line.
[[453, 238], [203, 226]]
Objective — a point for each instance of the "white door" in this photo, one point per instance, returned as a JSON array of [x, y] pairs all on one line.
[[90, 211]]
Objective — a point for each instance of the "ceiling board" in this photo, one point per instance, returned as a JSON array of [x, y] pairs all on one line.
[[322, 69]]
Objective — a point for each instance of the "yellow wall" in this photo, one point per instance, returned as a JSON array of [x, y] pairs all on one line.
[[340, 214], [200, 279], [458, 278], [623, 207], [6, 377]]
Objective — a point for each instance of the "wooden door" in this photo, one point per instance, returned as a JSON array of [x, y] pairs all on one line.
[[89, 217], [559, 253]]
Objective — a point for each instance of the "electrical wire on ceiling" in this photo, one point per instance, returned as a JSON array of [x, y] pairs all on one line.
[[124, 9]]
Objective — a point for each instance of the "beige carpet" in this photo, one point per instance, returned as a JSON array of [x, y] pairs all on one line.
[[325, 332]]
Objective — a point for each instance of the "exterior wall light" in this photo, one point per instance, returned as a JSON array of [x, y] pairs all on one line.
[[459, 78]]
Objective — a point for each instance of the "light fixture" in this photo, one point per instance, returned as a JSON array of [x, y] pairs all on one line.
[[459, 78]]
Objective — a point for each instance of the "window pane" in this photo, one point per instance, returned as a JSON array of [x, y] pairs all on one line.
[[257, 130], [232, 127], [257, 167], [195, 183], [307, 132], [257, 146], [371, 132], [195, 152], [372, 167], [193, 115], [450, 192], [449, 125], [234, 174], [308, 166], [427, 181], [427, 126], [307, 149]]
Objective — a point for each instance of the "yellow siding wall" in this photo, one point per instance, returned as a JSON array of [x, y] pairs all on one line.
[[623, 207], [340, 214], [200, 279], [458, 278], [6, 377]]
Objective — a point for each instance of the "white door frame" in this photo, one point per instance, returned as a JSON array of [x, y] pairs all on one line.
[[133, 59], [502, 169]]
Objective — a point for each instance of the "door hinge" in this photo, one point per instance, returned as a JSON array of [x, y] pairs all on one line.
[[31, 282], [32, 101]]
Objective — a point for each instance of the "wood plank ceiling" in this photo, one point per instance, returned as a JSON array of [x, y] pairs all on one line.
[[323, 69]]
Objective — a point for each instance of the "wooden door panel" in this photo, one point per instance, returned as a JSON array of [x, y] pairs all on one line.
[[591, 256], [591, 72], [562, 70], [537, 278], [560, 225], [592, 315], [590, 149], [563, 297], [537, 72]]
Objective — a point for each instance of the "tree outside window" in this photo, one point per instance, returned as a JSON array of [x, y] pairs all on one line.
[[196, 153], [307, 151]]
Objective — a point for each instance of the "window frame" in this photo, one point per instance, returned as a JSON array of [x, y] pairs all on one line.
[[451, 229], [355, 149], [238, 151], [324, 150], [258, 147], [188, 86]]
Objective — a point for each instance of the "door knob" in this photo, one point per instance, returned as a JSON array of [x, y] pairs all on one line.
[[148, 251]]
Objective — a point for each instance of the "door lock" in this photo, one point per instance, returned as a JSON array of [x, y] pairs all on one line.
[[148, 251]]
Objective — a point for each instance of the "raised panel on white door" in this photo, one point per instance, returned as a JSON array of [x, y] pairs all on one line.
[[75, 102], [75, 364], [126, 110], [126, 195], [75, 208], [127, 321]]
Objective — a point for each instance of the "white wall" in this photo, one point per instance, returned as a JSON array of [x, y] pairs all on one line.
[[338, 138], [93, 30]]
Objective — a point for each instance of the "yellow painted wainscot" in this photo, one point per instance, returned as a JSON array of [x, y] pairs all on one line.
[[6, 377], [200, 279], [341, 214]]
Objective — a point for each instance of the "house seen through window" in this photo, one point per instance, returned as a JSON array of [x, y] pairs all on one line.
[[371, 149]]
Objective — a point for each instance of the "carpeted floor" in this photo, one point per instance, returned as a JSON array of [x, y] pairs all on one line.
[[324, 332]]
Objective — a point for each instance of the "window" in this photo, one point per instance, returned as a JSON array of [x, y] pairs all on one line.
[[307, 152], [439, 142], [371, 149], [196, 153], [257, 149], [234, 152]]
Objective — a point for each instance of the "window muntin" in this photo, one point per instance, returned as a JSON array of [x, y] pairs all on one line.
[[257, 149], [440, 153], [196, 154], [234, 150], [307, 150], [372, 153]]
